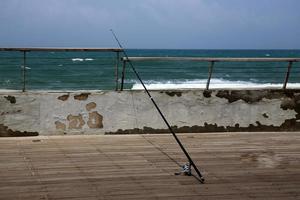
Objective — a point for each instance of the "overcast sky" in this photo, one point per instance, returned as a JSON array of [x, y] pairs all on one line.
[[189, 24]]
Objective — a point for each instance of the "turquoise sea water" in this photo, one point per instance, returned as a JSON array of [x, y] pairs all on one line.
[[96, 70]]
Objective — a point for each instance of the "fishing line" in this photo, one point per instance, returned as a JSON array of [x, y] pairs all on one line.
[[191, 162]]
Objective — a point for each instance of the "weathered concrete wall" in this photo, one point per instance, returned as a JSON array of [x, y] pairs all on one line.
[[45, 113]]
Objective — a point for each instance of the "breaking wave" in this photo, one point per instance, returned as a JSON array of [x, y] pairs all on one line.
[[214, 84], [81, 59]]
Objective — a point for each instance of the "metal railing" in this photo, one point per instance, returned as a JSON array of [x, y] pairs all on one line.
[[212, 62], [25, 51], [27, 59]]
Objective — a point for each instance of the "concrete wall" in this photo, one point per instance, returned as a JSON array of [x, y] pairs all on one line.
[[109, 112]]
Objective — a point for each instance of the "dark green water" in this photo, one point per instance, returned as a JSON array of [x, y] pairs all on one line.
[[96, 71]]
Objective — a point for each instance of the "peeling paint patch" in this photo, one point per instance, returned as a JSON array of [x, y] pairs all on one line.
[[292, 102], [95, 120], [207, 93], [288, 104], [90, 106], [6, 132], [265, 115], [75, 121], [11, 99], [63, 97], [60, 126], [10, 113], [184, 129], [248, 96], [82, 96], [173, 93], [288, 125], [252, 96]]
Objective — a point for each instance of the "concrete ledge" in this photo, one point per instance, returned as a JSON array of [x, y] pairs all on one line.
[[128, 112]]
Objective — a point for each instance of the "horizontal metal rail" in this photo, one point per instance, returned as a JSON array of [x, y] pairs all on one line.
[[208, 59], [62, 49]]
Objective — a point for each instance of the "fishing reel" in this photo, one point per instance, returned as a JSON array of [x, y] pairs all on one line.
[[185, 170]]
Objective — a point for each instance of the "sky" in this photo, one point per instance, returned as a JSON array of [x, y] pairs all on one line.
[[162, 24]]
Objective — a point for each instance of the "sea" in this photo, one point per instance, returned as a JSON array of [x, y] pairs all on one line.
[[68, 71]]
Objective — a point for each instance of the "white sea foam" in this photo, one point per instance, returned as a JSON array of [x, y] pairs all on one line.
[[88, 59], [82, 59], [77, 59], [25, 67], [214, 84], [8, 91]]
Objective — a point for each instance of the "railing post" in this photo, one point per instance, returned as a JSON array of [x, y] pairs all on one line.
[[210, 74], [117, 71], [123, 74], [24, 72], [287, 75]]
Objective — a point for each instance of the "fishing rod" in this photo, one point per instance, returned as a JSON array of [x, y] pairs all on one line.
[[186, 169]]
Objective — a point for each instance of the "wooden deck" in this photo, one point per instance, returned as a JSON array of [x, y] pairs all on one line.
[[235, 165]]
